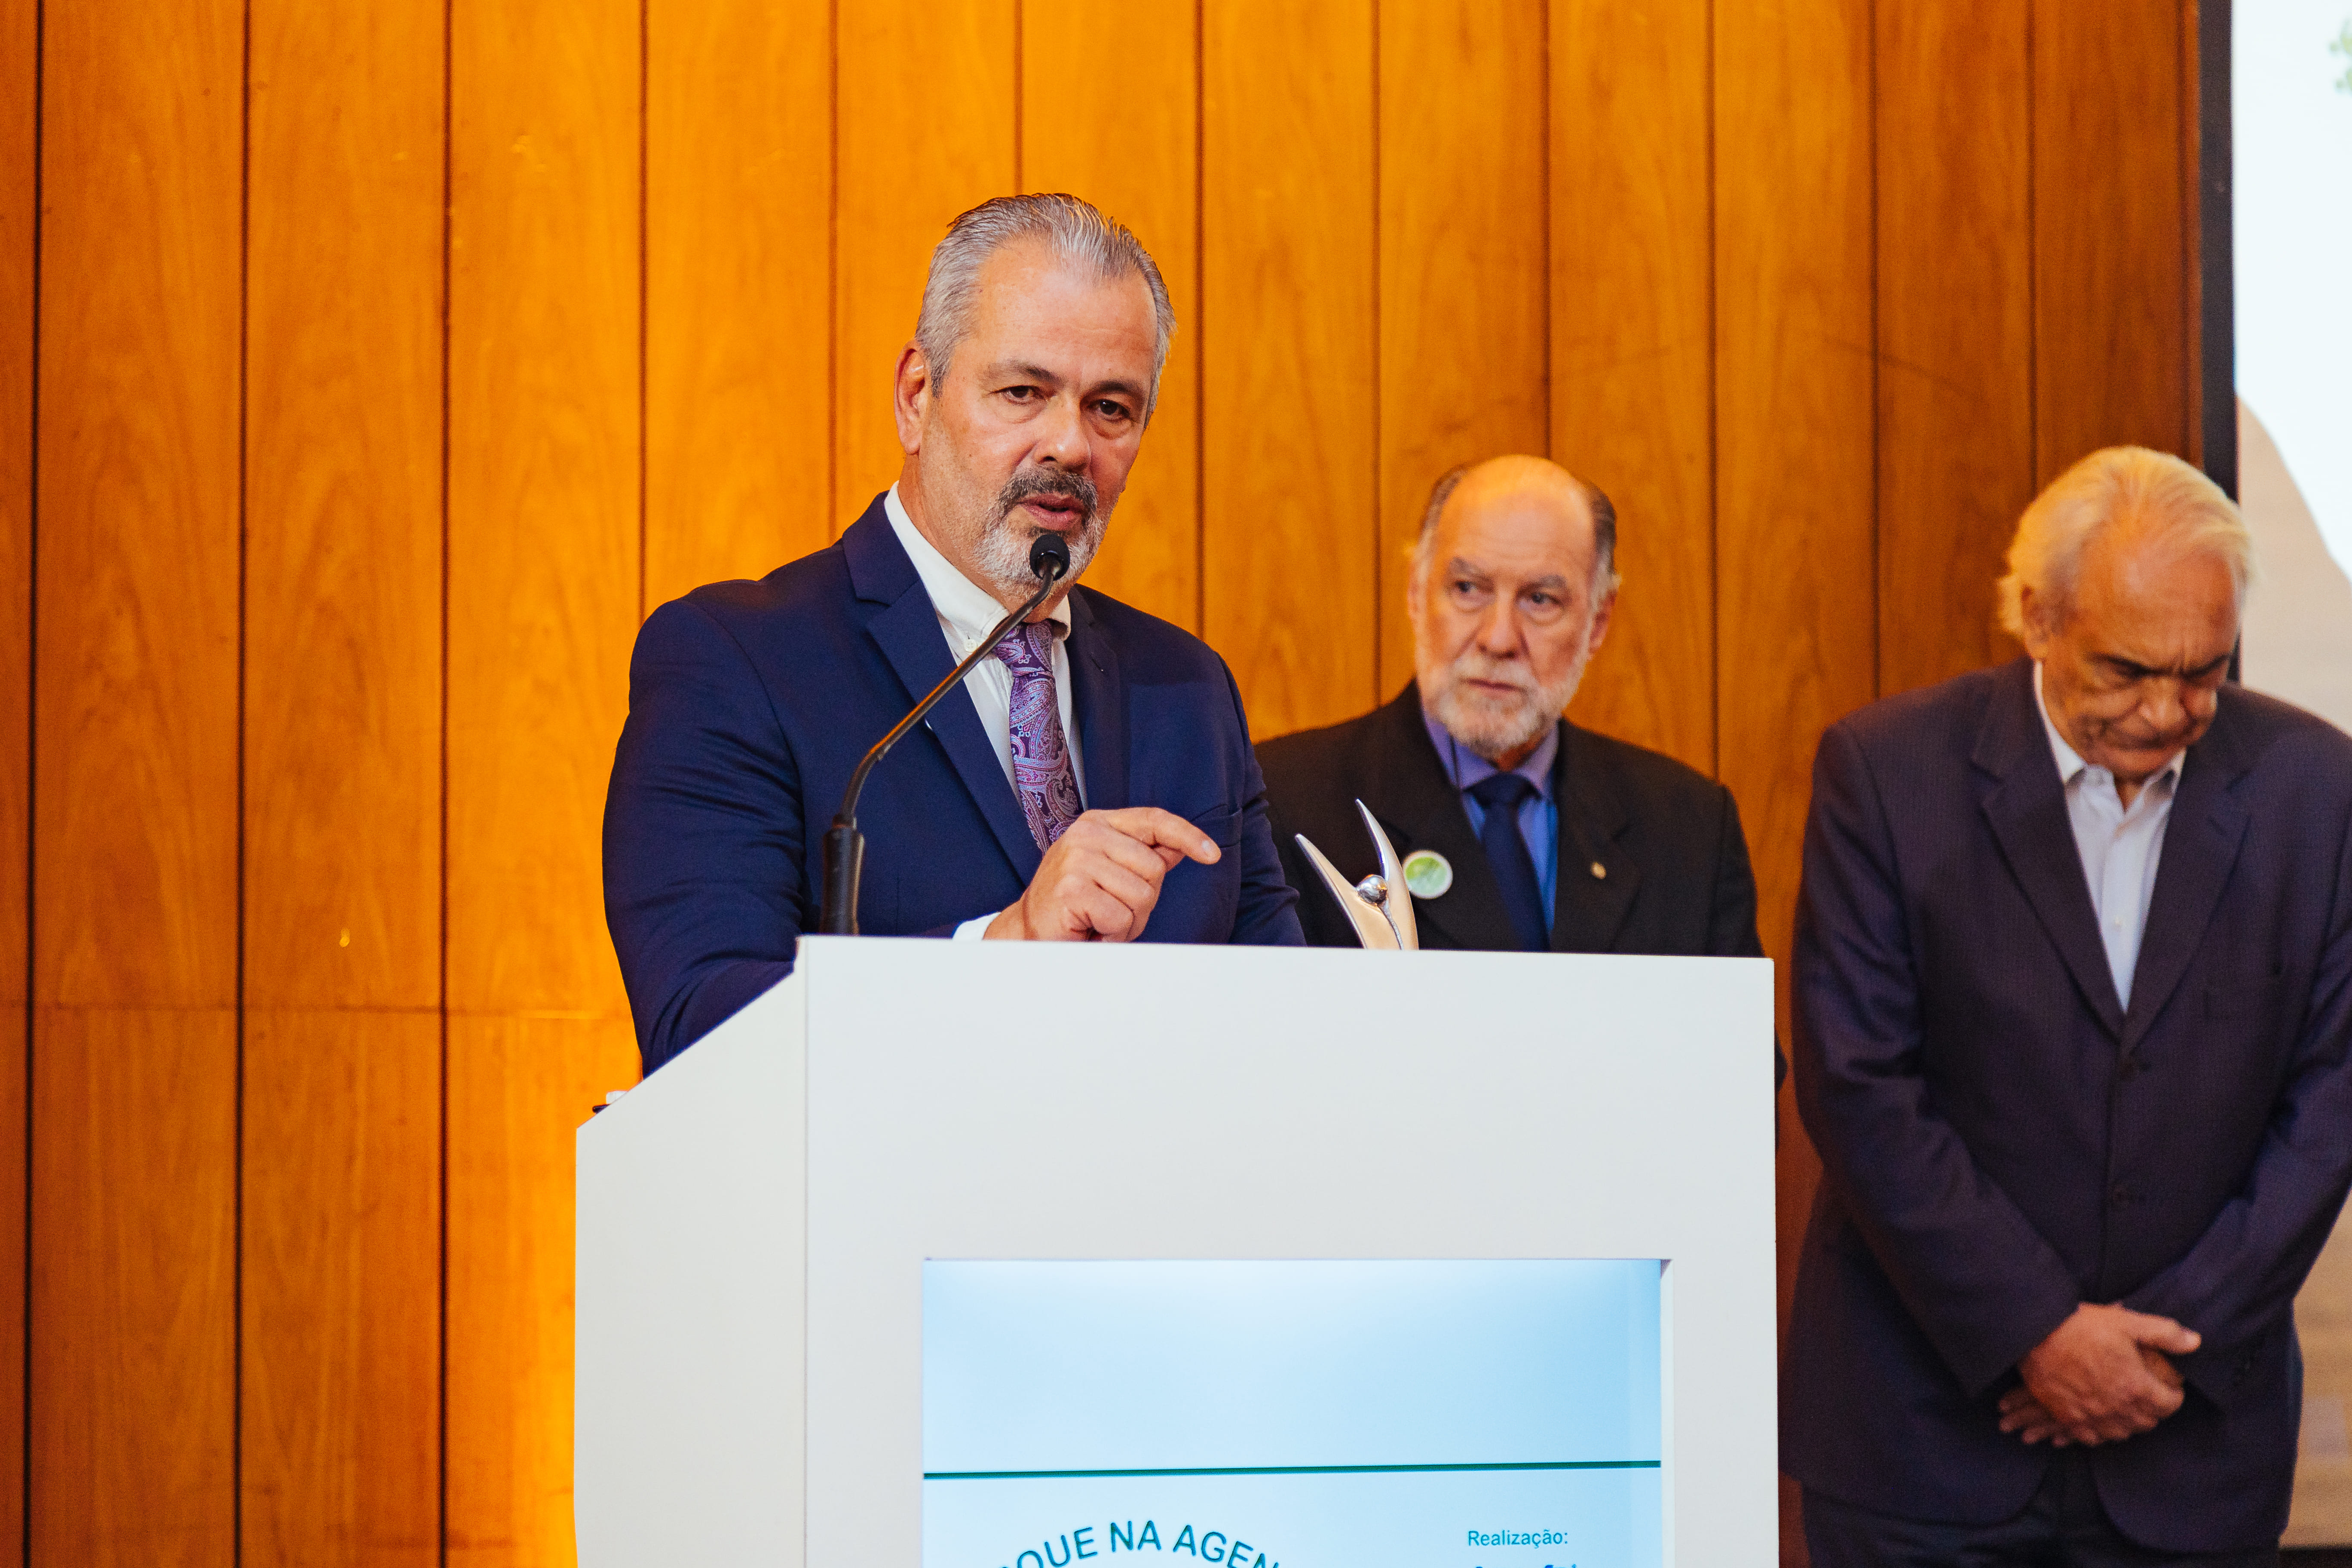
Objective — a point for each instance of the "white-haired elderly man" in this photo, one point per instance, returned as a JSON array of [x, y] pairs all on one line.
[[2073, 1037], [1042, 801]]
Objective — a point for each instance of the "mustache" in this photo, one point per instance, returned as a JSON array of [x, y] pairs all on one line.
[[1476, 666], [1047, 482]]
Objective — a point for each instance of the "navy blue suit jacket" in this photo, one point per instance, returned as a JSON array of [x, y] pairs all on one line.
[[2001, 1140], [750, 703]]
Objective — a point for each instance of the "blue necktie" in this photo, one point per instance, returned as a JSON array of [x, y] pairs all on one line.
[[1501, 795]]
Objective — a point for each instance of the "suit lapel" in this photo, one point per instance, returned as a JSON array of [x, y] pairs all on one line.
[[1099, 704], [1417, 804], [908, 631], [1588, 909], [2026, 809], [2200, 844]]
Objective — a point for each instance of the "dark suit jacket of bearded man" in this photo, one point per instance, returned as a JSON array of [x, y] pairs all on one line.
[[2002, 1139], [1652, 858]]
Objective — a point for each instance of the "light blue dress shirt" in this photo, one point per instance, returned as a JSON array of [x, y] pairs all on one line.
[[2120, 847], [1539, 814]]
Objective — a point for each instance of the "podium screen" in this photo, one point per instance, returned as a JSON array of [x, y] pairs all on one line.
[[1346, 1413]]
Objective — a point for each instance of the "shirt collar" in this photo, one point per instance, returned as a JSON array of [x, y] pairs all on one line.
[[1467, 767], [2070, 761], [970, 611]]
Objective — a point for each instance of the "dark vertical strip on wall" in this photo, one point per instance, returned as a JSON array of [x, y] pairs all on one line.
[[2217, 296]]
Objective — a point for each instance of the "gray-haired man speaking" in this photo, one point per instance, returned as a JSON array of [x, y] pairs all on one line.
[[1039, 801]]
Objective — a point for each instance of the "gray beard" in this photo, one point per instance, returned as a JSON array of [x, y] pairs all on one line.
[[1001, 554], [1490, 729]]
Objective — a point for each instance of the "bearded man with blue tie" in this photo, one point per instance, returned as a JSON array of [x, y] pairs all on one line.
[[1520, 831], [1093, 780], [2073, 1037]]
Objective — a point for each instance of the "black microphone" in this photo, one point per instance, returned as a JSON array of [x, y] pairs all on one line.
[[844, 846]]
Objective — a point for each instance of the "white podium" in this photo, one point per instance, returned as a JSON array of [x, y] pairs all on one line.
[[758, 1222]]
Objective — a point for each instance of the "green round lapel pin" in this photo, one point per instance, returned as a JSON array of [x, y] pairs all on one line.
[[1427, 874]]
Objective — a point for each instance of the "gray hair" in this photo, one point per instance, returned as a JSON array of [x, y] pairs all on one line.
[[2111, 484], [1605, 580], [1080, 235]]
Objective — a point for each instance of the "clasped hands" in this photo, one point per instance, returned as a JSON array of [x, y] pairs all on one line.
[[1101, 878], [2104, 1374]]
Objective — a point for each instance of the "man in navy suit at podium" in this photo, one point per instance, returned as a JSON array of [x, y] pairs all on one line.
[[1092, 781]]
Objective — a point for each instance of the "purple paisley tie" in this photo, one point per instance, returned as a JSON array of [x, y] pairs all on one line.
[[1040, 754]]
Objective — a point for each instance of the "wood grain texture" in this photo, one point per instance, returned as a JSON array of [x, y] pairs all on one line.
[[1955, 241], [341, 1320], [1112, 115], [132, 1324], [519, 1089], [342, 613], [544, 551], [20, 127], [1633, 347], [136, 894], [1289, 442], [739, 202], [134, 1316], [924, 130], [1463, 351], [1793, 340], [2111, 364]]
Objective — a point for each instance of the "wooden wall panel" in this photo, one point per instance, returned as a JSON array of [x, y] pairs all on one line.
[[133, 1288], [341, 1408], [925, 128], [19, 141], [519, 1089], [544, 595], [1117, 122], [1462, 242], [739, 206], [1632, 379], [1798, 624], [1290, 524], [134, 1118], [2111, 357], [1955, 327]]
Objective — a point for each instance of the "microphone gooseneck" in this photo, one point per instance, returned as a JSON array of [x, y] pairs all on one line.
[[844, 846]]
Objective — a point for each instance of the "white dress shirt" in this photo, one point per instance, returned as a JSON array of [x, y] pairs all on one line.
[[968, 613], [2120, 847]]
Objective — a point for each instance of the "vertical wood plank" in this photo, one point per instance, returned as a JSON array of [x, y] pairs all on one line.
[[1955, 327], [1463, 353], [341, 1336], [2111, 361], [133, 1165], [519, 1089], [739, 194], [343, 507], [1290, 348], [1632, 383], [544, 595], [19, 110], [1111, 114], [340, 1324], [1794, 424], [543, 505], [133, 1287], [925, 128]]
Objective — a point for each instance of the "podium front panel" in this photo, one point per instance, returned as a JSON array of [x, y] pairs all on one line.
[[1002, 1104]]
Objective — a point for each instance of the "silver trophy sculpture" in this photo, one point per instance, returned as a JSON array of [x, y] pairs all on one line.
[[1381, 905]]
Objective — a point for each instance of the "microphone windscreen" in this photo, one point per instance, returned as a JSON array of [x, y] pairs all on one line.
[[1049, 556]]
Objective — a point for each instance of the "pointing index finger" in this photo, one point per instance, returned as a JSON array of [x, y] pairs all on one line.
[[1152, 825]]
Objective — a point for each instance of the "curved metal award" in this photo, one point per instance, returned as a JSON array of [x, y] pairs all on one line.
[[1381, 905]]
